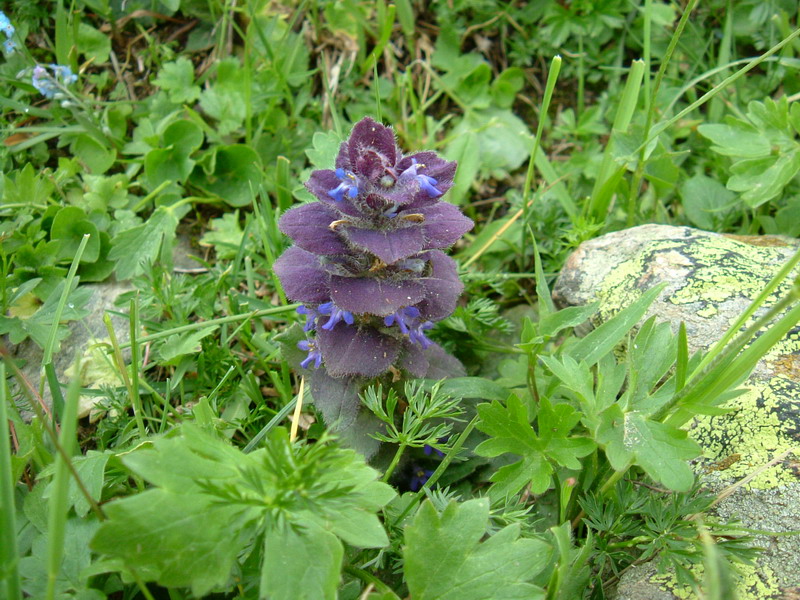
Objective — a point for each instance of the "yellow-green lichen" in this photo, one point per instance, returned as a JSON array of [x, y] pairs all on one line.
[[753, 582]]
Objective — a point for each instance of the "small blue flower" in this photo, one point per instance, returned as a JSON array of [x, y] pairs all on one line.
[[349, 184], [419, 477], [9, 46], [64, 73], [429, 450], [311, 317], [51, 84], [336, 314], [5, 25], [426, 183], [406, 319], [313, 354]]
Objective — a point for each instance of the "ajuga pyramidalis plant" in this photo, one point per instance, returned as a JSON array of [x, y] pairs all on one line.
[[367, 265]]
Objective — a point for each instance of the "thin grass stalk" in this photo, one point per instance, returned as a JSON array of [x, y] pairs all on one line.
[[50, 345], [123, 372], [58, 503], [770, 288], [28, 392], [552, 77], [9, 553], [651, 107], [607, 178], [718, 88], [136, 399]]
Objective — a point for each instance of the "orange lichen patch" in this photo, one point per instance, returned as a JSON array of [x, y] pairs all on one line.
[[786, 365], [766, 241]]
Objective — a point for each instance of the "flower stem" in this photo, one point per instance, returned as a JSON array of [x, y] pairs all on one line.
[[395, 460]]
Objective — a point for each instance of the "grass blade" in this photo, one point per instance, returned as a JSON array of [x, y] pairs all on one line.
[[9, 556]]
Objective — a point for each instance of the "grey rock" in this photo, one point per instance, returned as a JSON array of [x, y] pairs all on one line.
[[711, 279]]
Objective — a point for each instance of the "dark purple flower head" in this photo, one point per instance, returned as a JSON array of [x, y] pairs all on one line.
[[367, 260]]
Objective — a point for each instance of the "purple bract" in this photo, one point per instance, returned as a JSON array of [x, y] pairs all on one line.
[[367, 261]]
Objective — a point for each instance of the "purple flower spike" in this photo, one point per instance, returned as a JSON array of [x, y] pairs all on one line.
[[314, 354], [368, 252], [336, 314], [349, 184]]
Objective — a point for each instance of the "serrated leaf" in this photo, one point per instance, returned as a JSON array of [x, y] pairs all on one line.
[[445, 559], [210, 501], [142, 243], [177, 79], [660, 449], [511, 432]]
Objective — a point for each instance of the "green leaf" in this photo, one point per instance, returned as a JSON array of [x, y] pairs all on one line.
[[224, 235], [97, 158], [445, 559], [511, 432], [178, 345], [232, 173], [210, 501], [736, 139], [93, 44], [179, 540], [69, 226], [474, 387], [313, 558], [177, 79], [173, 162], [706, 201], [142, 243], [602, 340], [660, 449], [324, 151]]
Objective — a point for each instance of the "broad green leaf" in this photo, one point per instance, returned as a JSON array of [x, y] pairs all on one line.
[[93, 44], [143, 243], [301, 567], [180, 540], [660, 449], [178, 345], [736, 139], [69, 226], [511, 432], [446, 560], [233, 173], [173, 162], [210, 501], [324, 151], [706, 201], [572, 316], [91, 469], [97, 158]]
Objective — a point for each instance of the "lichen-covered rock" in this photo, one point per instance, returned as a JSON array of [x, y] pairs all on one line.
[[711, 279]]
